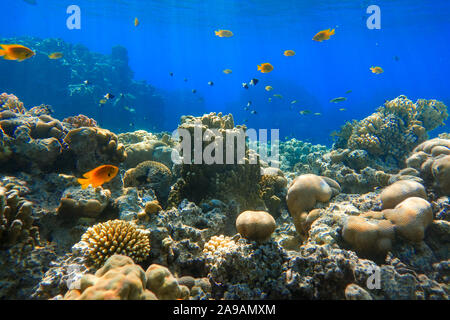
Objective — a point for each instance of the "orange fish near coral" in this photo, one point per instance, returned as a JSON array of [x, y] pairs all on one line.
[[98, 176], [56, 55], [323, 35], [265, 67], [289, 53], [224, 33], [15, 52]]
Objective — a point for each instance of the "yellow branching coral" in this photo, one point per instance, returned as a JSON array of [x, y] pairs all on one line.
[[116, 237]]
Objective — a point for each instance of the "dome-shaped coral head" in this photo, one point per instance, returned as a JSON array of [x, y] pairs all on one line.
[[98, 176]]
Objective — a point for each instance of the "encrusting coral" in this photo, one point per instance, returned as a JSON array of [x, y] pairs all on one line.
[[116, 236]]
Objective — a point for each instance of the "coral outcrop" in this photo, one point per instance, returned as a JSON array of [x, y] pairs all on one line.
[[255, 225]]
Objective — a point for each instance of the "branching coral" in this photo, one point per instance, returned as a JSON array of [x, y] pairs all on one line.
[[396, 128], [116, 236]]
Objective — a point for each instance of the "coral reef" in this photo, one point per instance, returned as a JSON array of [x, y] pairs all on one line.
[[296, 154], [80, 121], [399, 191], [116, 236]]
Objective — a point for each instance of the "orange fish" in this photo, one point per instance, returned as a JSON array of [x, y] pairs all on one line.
[[265, 67], [323, 35], [136, 22], [289, 53], [56, 55], [15, 52], [376, 70], [224, 33], [98, 176]]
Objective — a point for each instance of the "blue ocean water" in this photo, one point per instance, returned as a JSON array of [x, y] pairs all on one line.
[[178, 36]]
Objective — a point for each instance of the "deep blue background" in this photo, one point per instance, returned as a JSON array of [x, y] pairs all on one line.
[[178, 36]]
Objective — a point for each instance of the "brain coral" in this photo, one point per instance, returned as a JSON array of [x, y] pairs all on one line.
[[305, 191], [150, 174], [116, 236], [395, 129], [411, 217], [399, 191], [118, 279], [432, 159], [255, 225]]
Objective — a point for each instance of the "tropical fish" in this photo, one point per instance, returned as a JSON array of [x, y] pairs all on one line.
[[86, 82], [136, 22], [108, 96], [98, 176], [131, 124], [210, 83], [185, 79], [102, 101], [279, 96], [227, 71], [268, 88], [224, 33], [246, 108], [396, 58], [289, 53], [270, 99], [294, 101], [15, 52], [348, 91], [323, 35], [249, 104], [317, 114], [304, 112], [253, 112], [342, 109], [254, 81], [244, 85], [171, 74], [339, 99], [376, 70], [194, 91], [56, 55], [265, 67], [33, 2]]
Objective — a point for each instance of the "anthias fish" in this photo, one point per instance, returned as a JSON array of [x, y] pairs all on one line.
[[323, 35], [15, 52], [98, 176]]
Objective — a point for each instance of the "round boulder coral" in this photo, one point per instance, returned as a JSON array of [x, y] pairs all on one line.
[[116, 237], [411, 217], [255, 225], [399, 191], [369, 237]]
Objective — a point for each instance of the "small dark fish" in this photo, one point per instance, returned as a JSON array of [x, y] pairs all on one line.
[[210, 83], [396, 58], [171, 74], [86, 82], [348, 91], [109, 96], [194, 91], [246, 108], [254, 81], [131, 124], [244, 85], [253, 112], [339, 99], [245, 120], [185, 79], [249, 104], [33, 2]]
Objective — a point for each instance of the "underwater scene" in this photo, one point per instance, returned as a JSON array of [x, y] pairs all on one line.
[[224, 150]]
